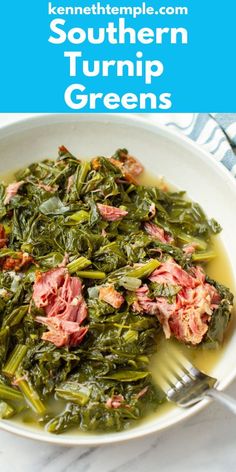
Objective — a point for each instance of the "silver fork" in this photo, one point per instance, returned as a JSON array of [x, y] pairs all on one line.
[[185, 385]]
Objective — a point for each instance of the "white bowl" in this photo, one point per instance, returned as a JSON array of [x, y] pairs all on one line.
[[163, 152]]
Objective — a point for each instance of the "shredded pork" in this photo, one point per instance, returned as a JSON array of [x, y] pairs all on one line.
[[187, 315], [60, 295]]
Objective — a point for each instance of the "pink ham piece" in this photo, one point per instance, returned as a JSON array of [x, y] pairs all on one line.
[[46, 286], [110, 213], [190, 248], [172, 273], [69, 304], [70, 183], [47, 188], [115, 401], [142, 393], [64, 261], [143, 303], [129, 167], [187, 317], [60, 295], [158, 233], [111, 296], [62, 333], [12, 190]]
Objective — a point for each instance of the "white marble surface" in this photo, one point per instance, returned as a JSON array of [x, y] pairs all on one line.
[[205, 442]]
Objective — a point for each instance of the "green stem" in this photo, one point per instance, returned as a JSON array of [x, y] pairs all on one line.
[[91, 274], [79, 264], [187, 239], [203, 256], [6, 411], [130, 188], [9, 252], [9, 393], [144, 270], [16, 316], [14, 360], [31, 396]]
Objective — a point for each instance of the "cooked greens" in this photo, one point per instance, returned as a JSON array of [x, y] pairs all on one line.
[[76, 221]]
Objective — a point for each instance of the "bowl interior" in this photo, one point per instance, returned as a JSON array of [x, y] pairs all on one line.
[[163, 153]]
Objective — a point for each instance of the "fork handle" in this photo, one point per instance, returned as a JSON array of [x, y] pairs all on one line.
[[222, 398]]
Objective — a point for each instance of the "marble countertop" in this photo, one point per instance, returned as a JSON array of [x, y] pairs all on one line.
[[203, 442]]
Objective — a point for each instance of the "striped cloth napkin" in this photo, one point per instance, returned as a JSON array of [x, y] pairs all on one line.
[[216, 132]]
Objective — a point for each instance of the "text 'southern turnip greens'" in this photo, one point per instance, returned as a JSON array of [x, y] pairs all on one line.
[[95, 271]]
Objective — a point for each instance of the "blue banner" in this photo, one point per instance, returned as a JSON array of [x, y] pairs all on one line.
[[117, 56]]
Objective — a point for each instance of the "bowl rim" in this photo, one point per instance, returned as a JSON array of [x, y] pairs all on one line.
[[37, 120]]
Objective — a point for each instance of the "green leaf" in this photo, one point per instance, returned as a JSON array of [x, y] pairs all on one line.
[[51, 260], [79, 217], [164, 290], [53, 206], [74, 392], [127, 375]]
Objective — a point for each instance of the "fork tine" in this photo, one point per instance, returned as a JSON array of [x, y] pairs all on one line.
[[170, 375], [183, 363], [163, 382], [174, 370], [187, 367], [182, 382], [180, 358]]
